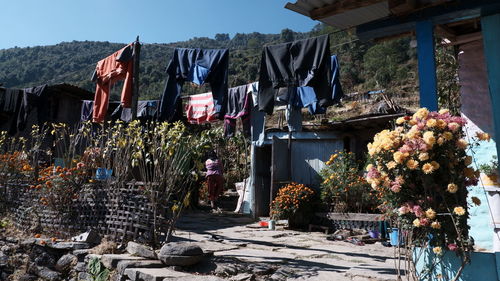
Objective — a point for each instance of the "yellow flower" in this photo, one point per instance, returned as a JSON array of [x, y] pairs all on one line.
[[435, 165], [468, 160], [447, 135], [412, 122], [429, 138], [400, 179], [391, 165], [399, 157], [431, 123], [483, 136], [444, 111], [441, 124], [459, 211], [328, 162], [400, 120], [437, 250], [369, 167], [430, 213], [440, 140], [413, 133], [476, 201], [452, 188], [423, 156], [326, 181], [436, 225], [416, 222], [421, 113], [427, 168], [412, 164], [461, 143]]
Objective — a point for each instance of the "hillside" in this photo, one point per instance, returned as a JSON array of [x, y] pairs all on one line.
[[364, 66]]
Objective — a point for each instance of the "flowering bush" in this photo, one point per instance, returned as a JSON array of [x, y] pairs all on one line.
[[58, 186], [343, 186], [291, 199], [421, 172]]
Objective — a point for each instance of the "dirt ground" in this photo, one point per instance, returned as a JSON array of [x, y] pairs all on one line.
[[238, 243]]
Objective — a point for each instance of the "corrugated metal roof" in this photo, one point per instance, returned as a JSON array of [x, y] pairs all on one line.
[[344, 20]]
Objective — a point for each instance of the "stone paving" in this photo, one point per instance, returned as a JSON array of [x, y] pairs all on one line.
[[283, 254]]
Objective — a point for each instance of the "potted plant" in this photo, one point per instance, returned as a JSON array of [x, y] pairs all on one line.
[[489, 174], [294, 203]]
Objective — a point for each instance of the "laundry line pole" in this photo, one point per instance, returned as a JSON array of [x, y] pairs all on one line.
[[135, 93]]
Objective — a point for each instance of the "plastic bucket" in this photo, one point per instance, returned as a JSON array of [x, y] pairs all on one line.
[[394, 237]]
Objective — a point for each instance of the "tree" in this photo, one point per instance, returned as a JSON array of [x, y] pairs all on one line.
[[222, 37], [287, 35]]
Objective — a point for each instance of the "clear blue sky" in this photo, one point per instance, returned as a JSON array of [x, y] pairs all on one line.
[[46, 22]]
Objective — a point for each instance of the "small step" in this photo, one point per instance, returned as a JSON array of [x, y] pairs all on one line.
[[153, 274], [111, 261], [124, 264]]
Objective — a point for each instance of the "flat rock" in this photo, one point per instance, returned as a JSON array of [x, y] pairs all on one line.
[[243, 277], [69, 245], [3, 259], [48, 274], [66, 262], [111, 260], [172, 260], [80, 254], [180, 253], [27, 277], [122, 265], [90, 236], [181, 249], [84, 276], [80, 267], [140, 250], [153, 274]]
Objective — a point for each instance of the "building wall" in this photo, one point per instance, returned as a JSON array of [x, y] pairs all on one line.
[[309, 157], [476, 108]]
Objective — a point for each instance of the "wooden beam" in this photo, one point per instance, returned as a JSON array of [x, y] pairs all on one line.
[[401, 6], [445, 31], [340, 7], [443, 14], [466, 38]]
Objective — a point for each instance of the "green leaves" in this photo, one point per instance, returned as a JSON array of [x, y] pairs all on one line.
[[96, 270]]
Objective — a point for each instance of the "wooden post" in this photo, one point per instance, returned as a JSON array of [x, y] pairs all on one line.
[[135, 95], [426, 65]]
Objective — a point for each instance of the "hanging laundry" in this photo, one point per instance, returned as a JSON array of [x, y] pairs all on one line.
[[258, 118], [9, 99], [239, 100], [199, 66], [295, 64], [87, 109], [146, 110], [116, 67], [301, 97], [34, 98], [201, 109]]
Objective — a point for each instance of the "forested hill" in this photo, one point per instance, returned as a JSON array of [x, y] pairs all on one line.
[[363, 66]]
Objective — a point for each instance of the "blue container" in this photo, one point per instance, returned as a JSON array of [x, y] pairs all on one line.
[[394, 237]]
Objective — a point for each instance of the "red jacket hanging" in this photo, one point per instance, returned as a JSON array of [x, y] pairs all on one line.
[[116, 67]]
